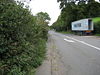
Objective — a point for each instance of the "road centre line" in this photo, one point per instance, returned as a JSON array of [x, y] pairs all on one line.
[[68, 40], [84, 43]]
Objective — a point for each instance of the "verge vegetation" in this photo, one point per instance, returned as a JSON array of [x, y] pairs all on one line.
[[22, 38]]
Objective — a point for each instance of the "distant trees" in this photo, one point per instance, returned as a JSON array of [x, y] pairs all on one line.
[[63, 3], [70, 11]]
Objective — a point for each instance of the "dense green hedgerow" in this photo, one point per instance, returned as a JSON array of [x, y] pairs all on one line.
[[22, 40]]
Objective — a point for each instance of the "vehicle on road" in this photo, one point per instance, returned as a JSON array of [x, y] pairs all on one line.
[[83, 26]]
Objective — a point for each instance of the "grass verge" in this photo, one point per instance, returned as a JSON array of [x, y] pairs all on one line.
[[97, 34]]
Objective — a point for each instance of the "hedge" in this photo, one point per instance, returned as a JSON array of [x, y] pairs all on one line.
[[22, 40]]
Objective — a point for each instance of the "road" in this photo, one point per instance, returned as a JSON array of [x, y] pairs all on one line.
[[80, 55]]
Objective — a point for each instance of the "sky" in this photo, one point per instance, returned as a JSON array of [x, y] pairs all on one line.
[[49, 6]]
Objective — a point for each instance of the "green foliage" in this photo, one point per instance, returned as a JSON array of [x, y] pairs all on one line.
[[16, 71], [92, 9], [8, 1], [43, 16], [64, 3], [97, 27], [22, 39], [59, 24], [97, 34], [97, 19]]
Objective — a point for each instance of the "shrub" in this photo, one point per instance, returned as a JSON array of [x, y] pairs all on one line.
[[97, 27], [22, 40]]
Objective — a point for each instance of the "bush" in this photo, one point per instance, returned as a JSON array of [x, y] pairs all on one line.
[[22, 41], [97, 27]]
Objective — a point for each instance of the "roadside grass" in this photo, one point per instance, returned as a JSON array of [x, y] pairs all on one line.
[[97, 34], [96, 19]]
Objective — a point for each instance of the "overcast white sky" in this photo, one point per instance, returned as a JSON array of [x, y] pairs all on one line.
[[49, 6]]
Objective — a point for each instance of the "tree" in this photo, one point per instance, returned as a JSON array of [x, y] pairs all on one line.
[[63, 3], [43, 16], [8, 1], [42, 20], [93, 9]]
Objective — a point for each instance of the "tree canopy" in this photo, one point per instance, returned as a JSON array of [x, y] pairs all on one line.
[[63, 3]]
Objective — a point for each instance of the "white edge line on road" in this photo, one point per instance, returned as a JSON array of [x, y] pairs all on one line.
[[68, 40], [85, 43]]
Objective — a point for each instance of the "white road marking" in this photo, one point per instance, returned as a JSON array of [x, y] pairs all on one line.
[[68, 40], [84, 43], [87, 36]]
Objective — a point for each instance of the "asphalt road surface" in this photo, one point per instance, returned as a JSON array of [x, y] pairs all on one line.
[[80, 54]]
